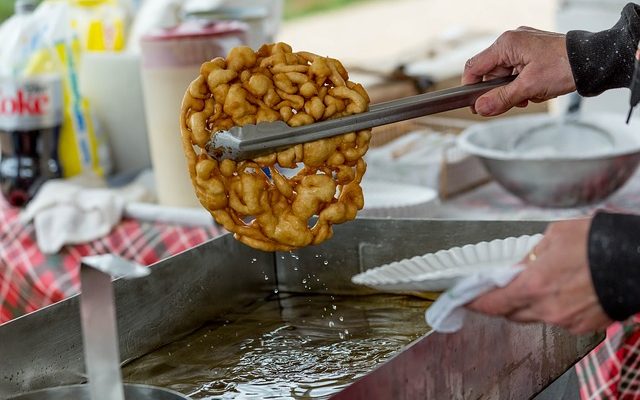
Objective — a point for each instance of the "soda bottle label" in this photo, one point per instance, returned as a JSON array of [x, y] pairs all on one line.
[[30, 103]]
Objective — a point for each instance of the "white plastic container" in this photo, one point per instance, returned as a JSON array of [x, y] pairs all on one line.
[[171, 60], [118, 106]]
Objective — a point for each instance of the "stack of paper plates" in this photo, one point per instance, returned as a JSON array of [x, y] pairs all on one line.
[[441, 270], [396, 200]]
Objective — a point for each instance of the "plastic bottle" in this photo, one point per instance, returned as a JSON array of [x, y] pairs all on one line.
[[101, 24], [30, 122]]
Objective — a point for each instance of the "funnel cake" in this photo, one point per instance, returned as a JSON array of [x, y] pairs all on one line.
[[268, 202]]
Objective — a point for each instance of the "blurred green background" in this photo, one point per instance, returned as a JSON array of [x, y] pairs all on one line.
[[299, 8], [292, 8], [6, 9]]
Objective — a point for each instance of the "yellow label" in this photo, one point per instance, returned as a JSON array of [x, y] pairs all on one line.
[[118, 40], [95, 36], [78, 146]]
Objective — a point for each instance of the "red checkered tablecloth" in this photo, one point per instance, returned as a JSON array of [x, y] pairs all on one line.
[[612, 370], [30, 280]]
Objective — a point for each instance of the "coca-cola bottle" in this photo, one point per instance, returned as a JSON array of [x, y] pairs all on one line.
[[30, 121], [31, 112]]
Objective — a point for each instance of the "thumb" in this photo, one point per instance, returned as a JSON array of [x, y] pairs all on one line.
[[502, 99]]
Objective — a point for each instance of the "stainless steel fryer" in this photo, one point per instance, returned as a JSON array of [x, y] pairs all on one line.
[[489, 358]]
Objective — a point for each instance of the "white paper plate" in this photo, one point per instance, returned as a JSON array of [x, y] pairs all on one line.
[[441, 270], [385, 199]]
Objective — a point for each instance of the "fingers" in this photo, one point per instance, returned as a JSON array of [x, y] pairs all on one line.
[[576, 322], [498, 72], [502, 99], [540, 59], [484, 66], [503, 301], [517, 295], [494, 303], [480, 65], [524, 315], [536, 252]]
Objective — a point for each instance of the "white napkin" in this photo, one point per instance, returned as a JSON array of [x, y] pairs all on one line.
[[78, 210], [187, 216], [447, 314]]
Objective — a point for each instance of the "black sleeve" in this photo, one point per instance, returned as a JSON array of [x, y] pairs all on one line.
[[614, 260], [605, 60]]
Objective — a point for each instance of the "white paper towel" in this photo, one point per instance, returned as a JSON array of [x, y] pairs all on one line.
[[78, 210], [447, 314]]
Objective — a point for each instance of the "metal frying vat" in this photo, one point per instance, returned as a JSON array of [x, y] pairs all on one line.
[[81, 392], [488, 358], [100, 340]]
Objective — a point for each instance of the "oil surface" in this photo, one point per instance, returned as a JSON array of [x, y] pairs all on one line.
[[289, 347]]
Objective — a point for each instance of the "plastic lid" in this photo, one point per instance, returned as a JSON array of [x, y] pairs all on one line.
[[194, 29], [190, 43], [228, 13], [90, 3], [25, 6]]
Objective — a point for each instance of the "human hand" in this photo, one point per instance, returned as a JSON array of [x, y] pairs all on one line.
[[539, 57], [555, 287]]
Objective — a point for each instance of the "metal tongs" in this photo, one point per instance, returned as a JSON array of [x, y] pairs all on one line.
[[249, 141]]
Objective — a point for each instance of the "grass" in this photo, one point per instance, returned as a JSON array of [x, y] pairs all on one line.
[[300, 8], [292, 8], [6, 9]]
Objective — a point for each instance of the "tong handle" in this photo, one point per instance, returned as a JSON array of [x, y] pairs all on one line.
[[431, 103], [253, 140]]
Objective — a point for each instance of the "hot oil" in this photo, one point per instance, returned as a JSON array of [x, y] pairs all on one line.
[[287, 347]]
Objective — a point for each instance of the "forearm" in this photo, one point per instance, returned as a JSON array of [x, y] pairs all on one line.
[[604, 60], [614, 260]]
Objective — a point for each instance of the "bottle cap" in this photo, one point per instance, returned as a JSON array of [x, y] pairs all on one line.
[[190, 43], [89, 3], [24, 6]]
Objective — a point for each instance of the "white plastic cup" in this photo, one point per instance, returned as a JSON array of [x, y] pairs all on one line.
[[171, 60]]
